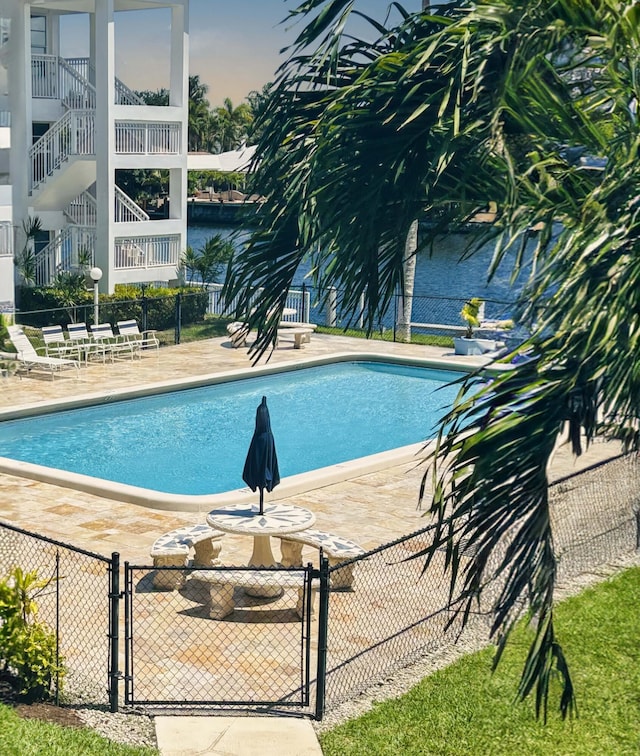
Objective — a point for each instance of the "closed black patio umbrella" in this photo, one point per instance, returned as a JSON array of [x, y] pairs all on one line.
[[261, 466]]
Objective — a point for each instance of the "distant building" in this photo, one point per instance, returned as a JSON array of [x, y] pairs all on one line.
[[66, 127]]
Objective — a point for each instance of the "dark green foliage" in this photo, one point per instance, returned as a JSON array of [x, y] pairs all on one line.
[[28, 647], [46, 306], [207, 263], [490, 102]]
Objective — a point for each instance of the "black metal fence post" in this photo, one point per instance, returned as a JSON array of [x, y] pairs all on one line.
[[57, 699], [145, 309], [395, 315], [114, 620], [178, 327], [323, 631]]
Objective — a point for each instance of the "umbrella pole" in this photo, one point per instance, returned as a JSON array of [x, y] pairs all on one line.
[[261, 500]]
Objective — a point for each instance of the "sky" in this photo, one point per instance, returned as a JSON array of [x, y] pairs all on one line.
[[234, 45]]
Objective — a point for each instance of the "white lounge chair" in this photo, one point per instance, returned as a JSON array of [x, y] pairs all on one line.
[[130, 332], [86, 346], [29, 357], [114, 345], [57, 345]]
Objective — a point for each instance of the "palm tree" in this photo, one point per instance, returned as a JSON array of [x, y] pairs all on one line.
[[200, 118], [441, 114], [231, 125]]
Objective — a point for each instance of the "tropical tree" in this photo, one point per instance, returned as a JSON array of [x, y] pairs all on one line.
[[441, 114], [207, 263], [154, 97], [231, 125], [200, 118], [25, 259]]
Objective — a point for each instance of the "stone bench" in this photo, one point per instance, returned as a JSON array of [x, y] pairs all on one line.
[[172, 550], [335, 547], [238, 333], [222, 584], [297, 324], [300, 335]]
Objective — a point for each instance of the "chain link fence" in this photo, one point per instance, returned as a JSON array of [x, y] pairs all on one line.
[[74, 604], [397, 613], [209, 642], [224, 636], [430, 315]]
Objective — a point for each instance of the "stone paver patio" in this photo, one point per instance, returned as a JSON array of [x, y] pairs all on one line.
[[370, 509]]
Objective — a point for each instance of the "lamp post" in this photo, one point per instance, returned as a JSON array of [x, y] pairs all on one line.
[[96, 275]]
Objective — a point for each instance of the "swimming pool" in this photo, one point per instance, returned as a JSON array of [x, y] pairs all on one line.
[[193, 442]]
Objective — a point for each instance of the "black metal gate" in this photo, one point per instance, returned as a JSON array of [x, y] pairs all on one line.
[[255, 652]]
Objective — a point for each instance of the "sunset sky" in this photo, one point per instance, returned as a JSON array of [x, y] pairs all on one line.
[[234, 46]]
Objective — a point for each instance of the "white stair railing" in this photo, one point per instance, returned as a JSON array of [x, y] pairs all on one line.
[[72, 135], [126, 210], [53, 78], [70, 246], [83, 210], [124, 95]]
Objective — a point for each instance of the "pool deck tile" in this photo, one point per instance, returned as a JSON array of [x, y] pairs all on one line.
[[370, 509]]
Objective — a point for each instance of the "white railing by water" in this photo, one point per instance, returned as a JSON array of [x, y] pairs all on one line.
[[126, 210], [73, 134], [72, 245], [123, 95], [83, 210], [146, 251], [148, 138], [297, 300], [6, 239]]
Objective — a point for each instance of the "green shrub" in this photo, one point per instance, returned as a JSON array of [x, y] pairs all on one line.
[[27, 646], [42, 306]]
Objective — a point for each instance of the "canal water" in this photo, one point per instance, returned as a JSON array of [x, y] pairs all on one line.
[[443, 273]]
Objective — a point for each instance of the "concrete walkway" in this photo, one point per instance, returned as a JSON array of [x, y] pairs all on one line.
[[236, 736]]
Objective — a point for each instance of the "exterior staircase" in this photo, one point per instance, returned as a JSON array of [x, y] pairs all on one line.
[[63, 170]]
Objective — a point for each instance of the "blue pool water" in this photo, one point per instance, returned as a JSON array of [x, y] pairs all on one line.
[[195, 441]]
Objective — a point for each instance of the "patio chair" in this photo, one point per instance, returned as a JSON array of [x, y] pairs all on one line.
[[129, 331], [114, 345], [56, 344], [86, 346], [30, 359]]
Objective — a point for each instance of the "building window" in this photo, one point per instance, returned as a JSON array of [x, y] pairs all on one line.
[[39, 35]]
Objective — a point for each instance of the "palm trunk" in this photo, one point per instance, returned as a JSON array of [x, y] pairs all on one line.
[[403, 324]]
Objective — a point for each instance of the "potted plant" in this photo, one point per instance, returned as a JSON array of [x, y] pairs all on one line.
[[471, 315]]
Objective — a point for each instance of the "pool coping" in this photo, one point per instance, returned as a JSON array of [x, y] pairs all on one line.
[[289, 486]]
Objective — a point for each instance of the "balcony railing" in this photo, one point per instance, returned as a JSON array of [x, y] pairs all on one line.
[[147, 138], [146, 252], [6, 239]]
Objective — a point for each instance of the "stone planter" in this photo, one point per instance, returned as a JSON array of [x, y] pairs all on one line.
[[473, 346]]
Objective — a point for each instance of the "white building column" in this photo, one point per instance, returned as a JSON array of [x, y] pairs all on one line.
[[179, 97], [104, 45], [21, 120]]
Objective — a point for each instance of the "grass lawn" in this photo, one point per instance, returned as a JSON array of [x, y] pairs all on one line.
[[32, 737], [464, 709]]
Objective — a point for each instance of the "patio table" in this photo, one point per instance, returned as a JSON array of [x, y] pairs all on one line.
[[277, 520]]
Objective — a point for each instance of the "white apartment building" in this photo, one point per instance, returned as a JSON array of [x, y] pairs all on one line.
[[67, 125]]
